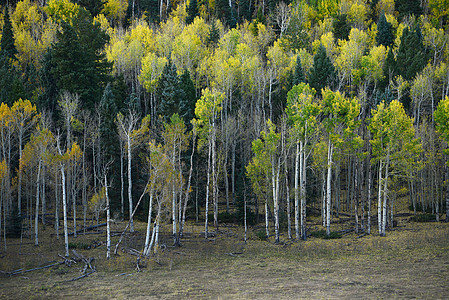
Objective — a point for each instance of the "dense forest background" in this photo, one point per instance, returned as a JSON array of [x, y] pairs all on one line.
[[219, 111]]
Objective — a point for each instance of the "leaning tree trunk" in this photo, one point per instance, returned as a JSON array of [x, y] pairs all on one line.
[[146, 250]]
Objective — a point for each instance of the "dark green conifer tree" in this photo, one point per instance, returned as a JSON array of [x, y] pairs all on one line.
[[341, 27], [408, 7], [323, 71], [187, 103], [389, 70], [384, 32], [298, 75], [108, 110], [8, 49], [9, 75], [192, 11], [214, 35], [78, 63], [412, 56], [168, 92]]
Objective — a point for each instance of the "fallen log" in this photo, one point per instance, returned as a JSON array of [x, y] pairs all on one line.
[[21, 271], [88, 228]]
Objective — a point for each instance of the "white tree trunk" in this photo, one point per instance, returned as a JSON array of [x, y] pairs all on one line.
[[36, 217], [146, 250], [267, 230], [379, 200], [297, 168], [130, 197], [328, 188], [385, 193], [108, 219], [275, 182], [206, 232], [64, 206], [303, 165]]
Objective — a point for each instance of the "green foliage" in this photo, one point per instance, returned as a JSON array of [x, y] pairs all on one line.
[[412, 56], [108, 129], [442, 118], [298, 75], [261, 235], [7, 47], [168, 91], [187, 102], [214, 35], [79, 49], [424, 217], [192, 11], [341, 27], [408, 7], [323, 72], [384, 32], [296, 36]]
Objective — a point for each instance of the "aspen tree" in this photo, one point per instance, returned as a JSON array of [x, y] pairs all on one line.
[[267, 161], [339, 121], [24, 117], [394, 144], [130, 134], [442, 126], [207, 109], [302, 111]]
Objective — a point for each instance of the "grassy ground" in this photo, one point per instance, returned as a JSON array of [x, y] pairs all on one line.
[[411, 262]]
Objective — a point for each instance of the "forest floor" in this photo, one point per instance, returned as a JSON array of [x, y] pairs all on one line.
[[412, 261]]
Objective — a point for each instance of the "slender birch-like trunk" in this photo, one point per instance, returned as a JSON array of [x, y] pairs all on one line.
[[130, 197], [303, 177], [328, 189], [379, 200], [297, 168], [206, 232], [36, 217], [146, 250], [64, 206], [108, 219]]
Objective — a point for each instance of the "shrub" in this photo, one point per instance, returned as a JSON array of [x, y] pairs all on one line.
[[261, 235]]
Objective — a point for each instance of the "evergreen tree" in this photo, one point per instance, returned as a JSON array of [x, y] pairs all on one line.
[[192, 12], [8, 49], [223, 11], [48, 99], [187, 103], [9, 75], [408, 7], [298, 75], [78, 63], [389, 70], [93, 6], [341, 27], [384, 32], [214, 35], [323, 72], [168, 91], [412, 56], [108, 128]]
